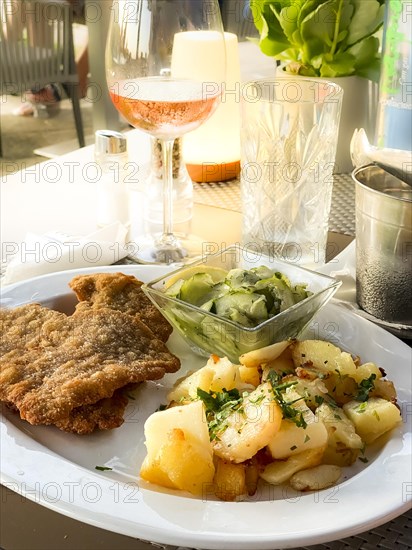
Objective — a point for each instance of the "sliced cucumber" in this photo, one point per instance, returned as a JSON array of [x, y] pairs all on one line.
[[175, 288], [262, 272], [300, 293], [251, 306], [194, 289], [241, 278]]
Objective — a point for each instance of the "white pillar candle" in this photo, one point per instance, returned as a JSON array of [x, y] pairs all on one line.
[[212, 152]]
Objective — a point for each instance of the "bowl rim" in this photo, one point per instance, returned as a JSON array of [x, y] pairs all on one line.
[[148, 288]]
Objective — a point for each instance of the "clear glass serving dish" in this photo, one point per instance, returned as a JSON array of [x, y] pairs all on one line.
[[208, 333]]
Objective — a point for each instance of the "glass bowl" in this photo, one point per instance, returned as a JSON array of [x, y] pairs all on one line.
[[208, 333]]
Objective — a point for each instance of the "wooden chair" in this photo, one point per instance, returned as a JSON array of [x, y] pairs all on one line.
[[36, 49]]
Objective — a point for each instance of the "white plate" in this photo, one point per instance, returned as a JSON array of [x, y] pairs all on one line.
[[57, 469]]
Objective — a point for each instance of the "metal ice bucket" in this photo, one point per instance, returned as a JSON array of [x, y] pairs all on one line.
[[383, 245]]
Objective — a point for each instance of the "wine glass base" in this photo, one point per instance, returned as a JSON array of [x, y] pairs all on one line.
[[182, 250]]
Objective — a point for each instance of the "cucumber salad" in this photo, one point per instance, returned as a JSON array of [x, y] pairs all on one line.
[[246, 296]]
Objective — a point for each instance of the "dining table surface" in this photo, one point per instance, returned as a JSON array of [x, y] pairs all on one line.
[[56, 195]]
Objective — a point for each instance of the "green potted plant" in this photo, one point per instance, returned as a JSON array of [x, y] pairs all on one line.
[[331, 39]]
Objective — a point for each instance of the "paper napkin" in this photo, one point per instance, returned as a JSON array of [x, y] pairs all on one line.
[[41, 254], [343, 268]]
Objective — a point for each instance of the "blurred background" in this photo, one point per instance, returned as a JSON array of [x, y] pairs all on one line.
[[27, 140]]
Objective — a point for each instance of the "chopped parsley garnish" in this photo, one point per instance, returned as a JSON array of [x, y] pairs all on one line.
[[220, 405], [307, 438], [319, 399], [161, 408], [293, 447], [331, 402], [289, 412], [102, 468], [274, 378], [215, 401], [258, 399], [363, 459], [362, 407], [365, 387]]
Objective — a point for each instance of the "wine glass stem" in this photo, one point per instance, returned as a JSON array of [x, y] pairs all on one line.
[[167, 161]]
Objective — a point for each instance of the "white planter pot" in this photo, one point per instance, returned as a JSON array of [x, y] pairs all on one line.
[[359, 106]]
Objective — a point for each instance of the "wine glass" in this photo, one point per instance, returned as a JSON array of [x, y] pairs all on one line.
[[165, 65]]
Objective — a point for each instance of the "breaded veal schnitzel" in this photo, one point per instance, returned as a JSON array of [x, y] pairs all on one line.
[[75, 371]]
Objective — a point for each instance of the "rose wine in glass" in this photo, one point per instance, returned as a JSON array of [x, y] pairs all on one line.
[[159, 60]]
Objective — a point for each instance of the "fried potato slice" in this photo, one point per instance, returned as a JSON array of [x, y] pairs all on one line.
[[180, 464], [316, 478], [179, 454], [373, 418], [229, 480], [344, 444], [263, 355], [292, 439], [250, 428], [279, 471]]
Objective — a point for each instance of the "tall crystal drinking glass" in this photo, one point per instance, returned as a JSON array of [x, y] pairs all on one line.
[[152, 48], [289, 136]]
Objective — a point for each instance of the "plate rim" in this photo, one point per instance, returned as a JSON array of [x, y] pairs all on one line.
[[205, 539]]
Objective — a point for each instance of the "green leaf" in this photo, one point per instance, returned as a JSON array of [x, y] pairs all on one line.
[[289, 24], [256, 9], [318, 36], [318, 27], [289, 56], [307, 8], [297, 38], [371, 72], [342, 35], [366, 20], [265, 8], [312, 49], [281, 4], [367, 61], [321, 23], [273, 40], [289, 18], [365, 51], [341, 64]]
